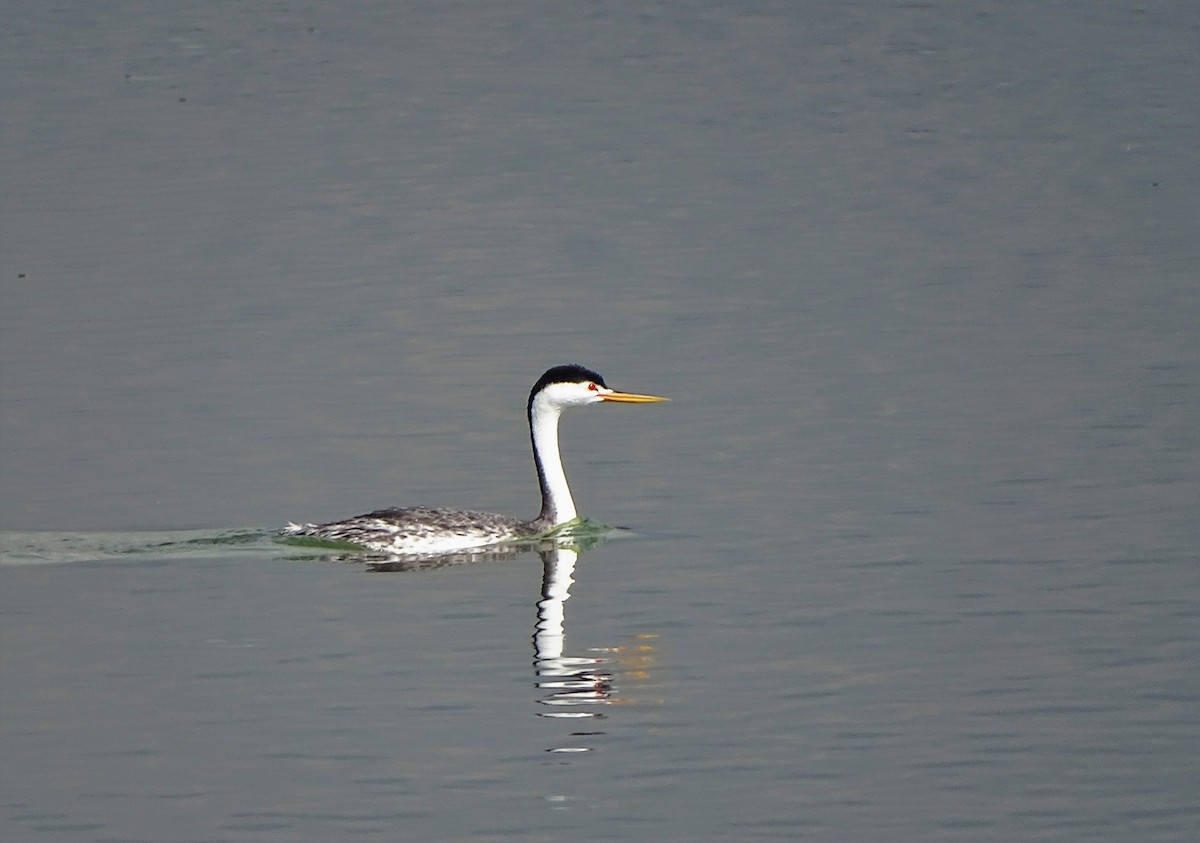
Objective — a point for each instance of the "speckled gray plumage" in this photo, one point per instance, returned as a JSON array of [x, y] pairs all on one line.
[[422, 529]]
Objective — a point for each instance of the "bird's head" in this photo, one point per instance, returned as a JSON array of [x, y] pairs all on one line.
[[575, 386]]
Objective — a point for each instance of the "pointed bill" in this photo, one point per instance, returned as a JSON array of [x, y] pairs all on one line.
[[632, 398]]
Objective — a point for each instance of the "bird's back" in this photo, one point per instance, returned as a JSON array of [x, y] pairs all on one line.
[[419, 529]]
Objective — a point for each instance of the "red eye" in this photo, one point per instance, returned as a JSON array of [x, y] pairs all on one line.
[[592, 387]]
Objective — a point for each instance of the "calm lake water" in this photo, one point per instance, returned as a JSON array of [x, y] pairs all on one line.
[[913, 553]]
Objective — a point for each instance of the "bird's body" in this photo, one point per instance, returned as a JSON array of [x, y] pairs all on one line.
[[423, 529], [429, 530]]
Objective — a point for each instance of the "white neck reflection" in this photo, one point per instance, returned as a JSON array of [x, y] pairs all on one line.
[[571, 686]]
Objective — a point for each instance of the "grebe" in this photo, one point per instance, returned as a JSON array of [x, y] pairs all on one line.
[[426, 530]]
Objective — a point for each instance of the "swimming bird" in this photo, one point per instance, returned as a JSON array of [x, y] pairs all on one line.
[[429, 530]]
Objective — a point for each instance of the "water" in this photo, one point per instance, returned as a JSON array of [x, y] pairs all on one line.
[[914, 546]]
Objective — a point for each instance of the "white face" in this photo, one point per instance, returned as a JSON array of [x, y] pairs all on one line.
[[573, 394]]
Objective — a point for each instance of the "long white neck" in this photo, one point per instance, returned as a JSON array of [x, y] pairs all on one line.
[[557, 505]]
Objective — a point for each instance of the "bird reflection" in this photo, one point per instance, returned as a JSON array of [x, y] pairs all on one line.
[[418, 562], [571, 687]]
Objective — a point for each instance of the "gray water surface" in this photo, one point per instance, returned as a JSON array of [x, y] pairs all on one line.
[[912, 554]]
